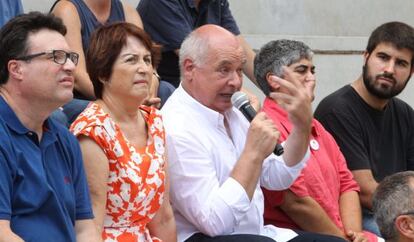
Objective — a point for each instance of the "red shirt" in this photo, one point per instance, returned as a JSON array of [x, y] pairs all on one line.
[[324, 178]]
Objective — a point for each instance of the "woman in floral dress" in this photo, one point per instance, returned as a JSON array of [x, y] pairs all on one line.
[[123, 141]]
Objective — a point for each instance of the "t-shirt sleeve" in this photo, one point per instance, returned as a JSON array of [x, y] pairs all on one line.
[[347, 134], [165, 22]]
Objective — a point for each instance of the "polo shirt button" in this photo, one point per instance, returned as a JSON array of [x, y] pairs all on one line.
[[30, 133]]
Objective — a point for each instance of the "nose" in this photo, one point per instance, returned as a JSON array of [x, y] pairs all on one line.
[[236, 79], [69, 65], [390, 67], [143, 67], [310, 77]]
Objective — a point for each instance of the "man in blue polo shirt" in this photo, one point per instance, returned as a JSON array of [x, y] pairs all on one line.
[[43, 190], [169, 22]]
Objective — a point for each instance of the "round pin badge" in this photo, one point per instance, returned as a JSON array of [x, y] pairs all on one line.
[[314, 144]]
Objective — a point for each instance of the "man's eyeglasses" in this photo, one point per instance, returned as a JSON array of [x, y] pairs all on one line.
[[59, 56]]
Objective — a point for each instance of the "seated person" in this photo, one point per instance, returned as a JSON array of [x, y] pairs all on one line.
[[324, 198], [122, 141], [373, 128], [82, 17], [394, 208], [218, 162], [43, 189]]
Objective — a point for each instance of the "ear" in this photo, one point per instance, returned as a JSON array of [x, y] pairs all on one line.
[[405, 226], [15, 69], [188, 68], [366, 55], [274, 85]]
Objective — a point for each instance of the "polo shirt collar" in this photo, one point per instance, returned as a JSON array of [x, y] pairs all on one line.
[[212, 116], [13, 122]]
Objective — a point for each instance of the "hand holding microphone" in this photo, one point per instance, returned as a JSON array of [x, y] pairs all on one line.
[[241, 102]]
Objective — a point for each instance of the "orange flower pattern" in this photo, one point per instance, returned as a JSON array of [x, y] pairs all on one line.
[[136, 175]]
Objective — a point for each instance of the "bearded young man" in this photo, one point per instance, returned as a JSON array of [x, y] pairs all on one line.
[[373, 128]]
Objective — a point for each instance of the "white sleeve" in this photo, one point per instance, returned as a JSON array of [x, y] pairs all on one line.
[[276, 175], [213, 208]]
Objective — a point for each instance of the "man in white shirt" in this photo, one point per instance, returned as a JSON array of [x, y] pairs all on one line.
[[218, 162]]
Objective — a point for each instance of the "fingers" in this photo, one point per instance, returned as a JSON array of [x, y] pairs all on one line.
[[356, 236], [262, 135]]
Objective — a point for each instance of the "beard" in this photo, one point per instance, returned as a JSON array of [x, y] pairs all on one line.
[[378, 90]]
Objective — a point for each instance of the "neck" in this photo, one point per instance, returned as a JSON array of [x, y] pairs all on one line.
[[30, 113], [121, 110], [100, 8], [363, 92]]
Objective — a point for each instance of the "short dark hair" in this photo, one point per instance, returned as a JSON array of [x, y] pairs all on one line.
[[105, 46], [276, 54], [399, 34], [14, 35]]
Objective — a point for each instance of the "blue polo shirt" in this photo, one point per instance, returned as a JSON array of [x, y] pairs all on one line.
[[168, 22], [43, 188]]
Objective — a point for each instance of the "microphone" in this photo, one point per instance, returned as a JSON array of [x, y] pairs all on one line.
[[242, 103]]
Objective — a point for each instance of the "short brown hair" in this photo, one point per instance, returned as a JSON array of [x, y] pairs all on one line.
[[105, 46]]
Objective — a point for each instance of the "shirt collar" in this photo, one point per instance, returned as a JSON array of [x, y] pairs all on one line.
[[283, 116], [14, 123], [211, 115]]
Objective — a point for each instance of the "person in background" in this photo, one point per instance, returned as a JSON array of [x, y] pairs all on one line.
[[373, 128], [324, 198], [82, 17], [394, 208], [43, 190], [9, 9], [122, 141], [169, 22]]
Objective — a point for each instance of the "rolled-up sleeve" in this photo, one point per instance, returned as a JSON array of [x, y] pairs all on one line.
[[276, 175]]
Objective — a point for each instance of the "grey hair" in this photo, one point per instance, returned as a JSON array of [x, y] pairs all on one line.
[[194, 47], [394, 196], [276, 54]]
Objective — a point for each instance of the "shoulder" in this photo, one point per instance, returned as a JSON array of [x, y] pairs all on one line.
[[67, 11], [131, 14], [337, 101], [64, 7]]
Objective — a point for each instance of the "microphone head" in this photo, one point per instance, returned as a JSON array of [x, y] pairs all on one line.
[[238, 99]]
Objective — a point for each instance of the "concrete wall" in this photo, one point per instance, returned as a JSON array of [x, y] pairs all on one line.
[[336, 29]]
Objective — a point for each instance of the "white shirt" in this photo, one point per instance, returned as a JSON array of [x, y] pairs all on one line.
[[201, 157]]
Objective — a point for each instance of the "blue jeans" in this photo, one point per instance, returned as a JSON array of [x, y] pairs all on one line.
[[369, 223]]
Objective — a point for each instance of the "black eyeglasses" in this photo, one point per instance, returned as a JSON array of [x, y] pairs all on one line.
[[59, 56]]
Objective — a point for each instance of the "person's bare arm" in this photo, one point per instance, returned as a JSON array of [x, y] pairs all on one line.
[[367, 184], [97, 171], [68, 13], [249, 67], [309, 215], [86, 231], [163, 224], [7, 234], [350, 210]]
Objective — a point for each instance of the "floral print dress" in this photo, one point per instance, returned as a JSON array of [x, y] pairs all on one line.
[[136, 174]]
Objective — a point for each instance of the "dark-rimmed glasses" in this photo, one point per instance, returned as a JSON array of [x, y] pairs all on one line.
[[59, 56]]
